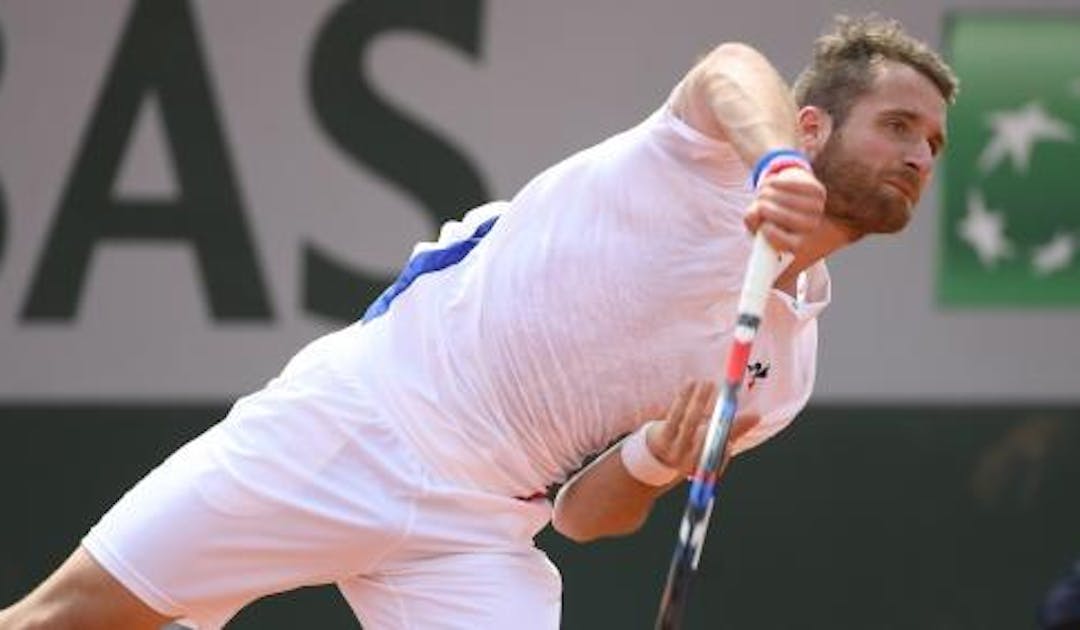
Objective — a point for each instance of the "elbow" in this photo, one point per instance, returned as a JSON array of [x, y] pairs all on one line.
[[735, 53], [721, 71], [576, 534], [720, 77], [570, 527], [731, 61], [585, 530]]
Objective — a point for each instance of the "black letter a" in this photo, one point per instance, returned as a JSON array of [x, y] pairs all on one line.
[[158, 55]]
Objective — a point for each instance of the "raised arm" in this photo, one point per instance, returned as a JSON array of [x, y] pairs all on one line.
[[734, 94]]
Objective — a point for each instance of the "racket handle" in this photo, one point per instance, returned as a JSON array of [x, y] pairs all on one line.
[[760, 275]]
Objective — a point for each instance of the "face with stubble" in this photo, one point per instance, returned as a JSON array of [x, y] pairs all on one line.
[[877, 162]]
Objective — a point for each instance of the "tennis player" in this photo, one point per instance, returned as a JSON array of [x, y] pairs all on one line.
[[407, 458]]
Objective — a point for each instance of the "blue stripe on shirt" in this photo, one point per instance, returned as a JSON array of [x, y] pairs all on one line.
[[427, 262]]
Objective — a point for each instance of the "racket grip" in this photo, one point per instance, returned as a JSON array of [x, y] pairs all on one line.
[[760, 275]]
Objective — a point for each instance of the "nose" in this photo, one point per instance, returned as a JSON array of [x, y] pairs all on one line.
[[921, 159]]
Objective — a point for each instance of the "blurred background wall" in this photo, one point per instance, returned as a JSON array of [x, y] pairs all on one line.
[[191, 190]]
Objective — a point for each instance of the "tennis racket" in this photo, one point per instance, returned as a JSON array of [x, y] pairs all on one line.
[[760, 273]]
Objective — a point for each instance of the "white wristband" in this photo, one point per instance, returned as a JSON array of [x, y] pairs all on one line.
[[640, 461]]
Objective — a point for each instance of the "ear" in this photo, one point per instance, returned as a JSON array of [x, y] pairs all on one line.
[[815, 127]]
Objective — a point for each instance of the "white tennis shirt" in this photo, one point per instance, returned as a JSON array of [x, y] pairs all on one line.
[[602, 287]]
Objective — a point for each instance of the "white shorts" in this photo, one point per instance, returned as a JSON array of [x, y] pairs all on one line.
[[305, 483]]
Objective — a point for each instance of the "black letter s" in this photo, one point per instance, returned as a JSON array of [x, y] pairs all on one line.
[[414, 159]]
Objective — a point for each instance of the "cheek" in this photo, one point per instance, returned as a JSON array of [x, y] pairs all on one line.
[[879, 152]]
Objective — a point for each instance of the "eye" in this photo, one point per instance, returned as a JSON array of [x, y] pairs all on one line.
[[898, 126], [937, 144]]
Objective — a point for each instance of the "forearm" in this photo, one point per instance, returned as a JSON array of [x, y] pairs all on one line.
[[603, 500], [736, 95], [614, 494]]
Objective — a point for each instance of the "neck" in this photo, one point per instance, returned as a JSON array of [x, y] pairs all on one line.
[[829, 237]]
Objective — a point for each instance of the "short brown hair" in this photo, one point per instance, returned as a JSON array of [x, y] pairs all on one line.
[[844, 63]]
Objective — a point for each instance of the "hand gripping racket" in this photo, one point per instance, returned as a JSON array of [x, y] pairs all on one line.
[[760, 273]]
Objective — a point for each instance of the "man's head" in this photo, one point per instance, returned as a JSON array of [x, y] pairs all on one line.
[[872, 116]]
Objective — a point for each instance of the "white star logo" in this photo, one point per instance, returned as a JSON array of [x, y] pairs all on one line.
[[984, 230], [1054, 255], [1017, 131]]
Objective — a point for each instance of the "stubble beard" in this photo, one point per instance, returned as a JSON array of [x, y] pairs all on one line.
[[857, 197]]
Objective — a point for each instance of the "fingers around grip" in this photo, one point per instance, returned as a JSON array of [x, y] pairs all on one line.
[[781, 240], [784, 225], [753, 219], [792, 202]]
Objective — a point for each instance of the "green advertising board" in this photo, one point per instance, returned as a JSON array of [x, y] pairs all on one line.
[[1011, 211]]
